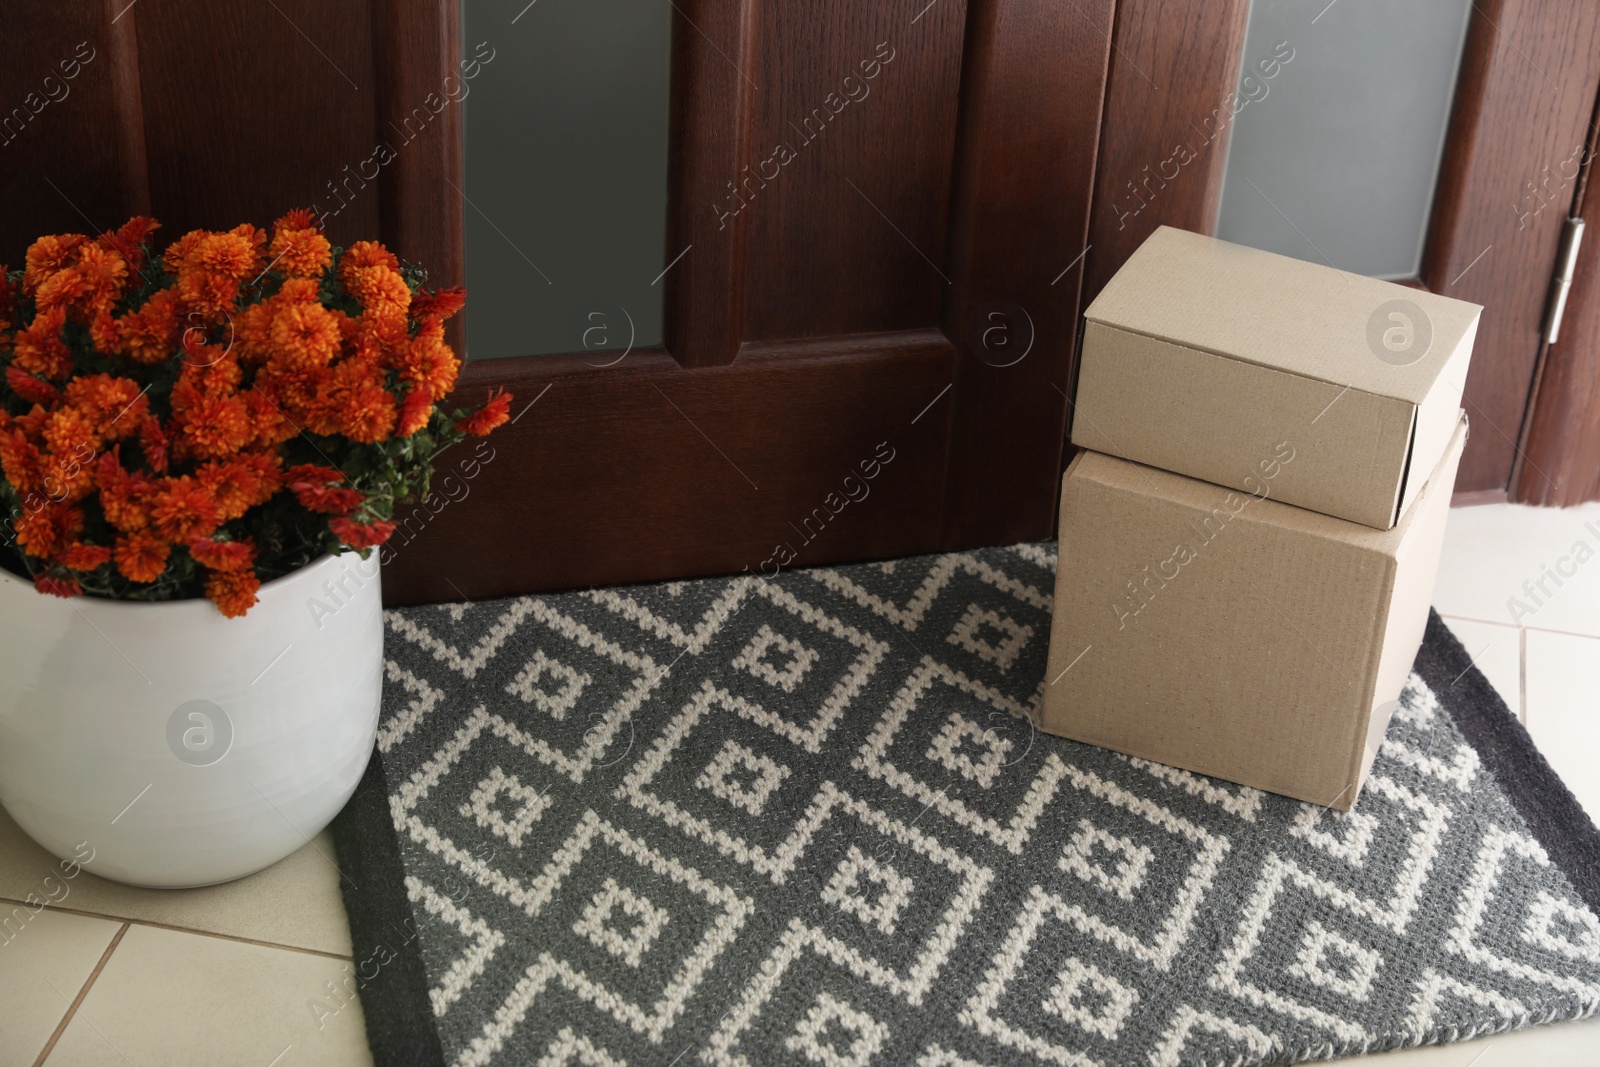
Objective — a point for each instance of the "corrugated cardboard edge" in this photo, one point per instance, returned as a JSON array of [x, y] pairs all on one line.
[[1437, 417], [1114, 366], [1167, 238], [1407, 608]]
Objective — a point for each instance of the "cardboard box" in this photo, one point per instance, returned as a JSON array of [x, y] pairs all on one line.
[[1232, 634], [1199, 356]]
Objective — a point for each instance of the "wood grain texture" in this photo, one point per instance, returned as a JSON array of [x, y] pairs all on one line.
[[1172, 79], [715, 63], [71, 154], [1033, 84], [849, 235], [1524, 97], [648, 471], [251, 109], [1560, 459], [416, 68]]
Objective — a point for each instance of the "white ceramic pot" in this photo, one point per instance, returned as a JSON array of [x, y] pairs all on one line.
[[177, 747]]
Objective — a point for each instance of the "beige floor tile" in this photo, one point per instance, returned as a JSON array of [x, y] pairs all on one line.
[[1490, 552], [1564, 710], [1497, 652], [175, 999], [296, 902], [45, 957], [1562, 1045]]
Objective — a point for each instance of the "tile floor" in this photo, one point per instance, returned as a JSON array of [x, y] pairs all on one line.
[[140, 978]]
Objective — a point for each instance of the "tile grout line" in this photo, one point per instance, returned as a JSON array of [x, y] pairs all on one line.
[[1514, 626], [185, 930], [1522, 676], [72, 1009]]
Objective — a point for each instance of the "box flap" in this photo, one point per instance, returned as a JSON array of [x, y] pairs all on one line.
[[1231, 300]]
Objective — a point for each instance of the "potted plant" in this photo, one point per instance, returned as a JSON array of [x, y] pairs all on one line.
[[199, 454]]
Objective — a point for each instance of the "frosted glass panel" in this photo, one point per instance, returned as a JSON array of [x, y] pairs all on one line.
[[1338, 129], [566, 174]]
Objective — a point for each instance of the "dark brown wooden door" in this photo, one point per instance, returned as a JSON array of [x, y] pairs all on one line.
[[870, 310], [868, 348], [867, 353]]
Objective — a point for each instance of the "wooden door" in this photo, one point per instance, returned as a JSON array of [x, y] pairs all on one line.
[[870, 310], [1523, 103], [871, 355], [868, 357]]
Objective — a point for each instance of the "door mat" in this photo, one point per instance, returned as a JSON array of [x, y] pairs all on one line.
[[807, 820]]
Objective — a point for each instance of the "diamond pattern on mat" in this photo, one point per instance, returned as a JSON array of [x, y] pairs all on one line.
[[809, 820]]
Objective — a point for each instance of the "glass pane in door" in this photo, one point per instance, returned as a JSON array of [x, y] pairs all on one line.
[[566, 174], [1338, 126]]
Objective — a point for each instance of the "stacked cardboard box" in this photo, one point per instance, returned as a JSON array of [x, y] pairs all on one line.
[[1249, 545]]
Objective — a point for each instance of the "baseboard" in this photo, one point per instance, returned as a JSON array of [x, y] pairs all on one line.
[[1472, 498]]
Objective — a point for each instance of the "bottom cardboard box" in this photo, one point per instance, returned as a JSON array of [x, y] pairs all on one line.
[[1227, 633]]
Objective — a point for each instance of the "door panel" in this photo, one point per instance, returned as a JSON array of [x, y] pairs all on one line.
[[842, 235], [651, 470], [1172, 71], [820, 310]]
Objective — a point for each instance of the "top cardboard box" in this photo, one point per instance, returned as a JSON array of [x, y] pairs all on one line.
[[1201, 357]]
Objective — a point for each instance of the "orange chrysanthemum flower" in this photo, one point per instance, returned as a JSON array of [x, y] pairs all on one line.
[[181, 510], [493, 415], [228, 255], [48, 256], [430, 365], [297, 218], [68, 432], [361, 536], [114, 407], [36, 532], [208, 294], [31, 389], [304, 335], [141, 557], [177, 256], [51, 585], [21, 462], [150, 333], [224, 555], [252, 332], [210, 427], [44, 530], [415, 411], [166, 427], [299, 252], [381, 292], [40, 350], [157, 449], [239, 484], [375, 339], [365, 254], [233, 592], [89, 287], [367, 413], [82, 557], [128, 239], [436, 307], [322, 489], [269, 426]]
